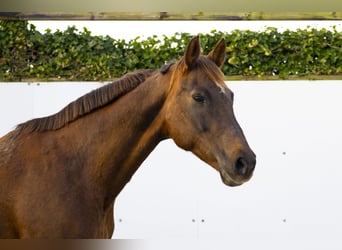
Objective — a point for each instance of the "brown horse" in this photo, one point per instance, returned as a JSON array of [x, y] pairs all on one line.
[[59, 175]]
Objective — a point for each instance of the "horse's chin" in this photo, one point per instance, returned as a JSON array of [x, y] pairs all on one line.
[[229, 181]]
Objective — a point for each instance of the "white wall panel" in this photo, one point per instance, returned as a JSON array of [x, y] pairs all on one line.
[[293, 200], [16, 102]]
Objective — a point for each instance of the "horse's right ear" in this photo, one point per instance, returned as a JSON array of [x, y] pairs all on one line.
[[218, 54], [192, 52]]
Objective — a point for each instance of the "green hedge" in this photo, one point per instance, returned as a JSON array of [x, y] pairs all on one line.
[[25, 53]]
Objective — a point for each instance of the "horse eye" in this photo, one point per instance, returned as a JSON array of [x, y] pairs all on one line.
[[198, 98]]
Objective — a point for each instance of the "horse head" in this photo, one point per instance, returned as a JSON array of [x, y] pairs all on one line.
[[199, 114]]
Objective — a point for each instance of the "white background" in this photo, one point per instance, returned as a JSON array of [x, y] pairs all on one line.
[[144, 29], [292, 202]]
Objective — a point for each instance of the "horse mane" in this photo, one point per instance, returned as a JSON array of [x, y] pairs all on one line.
[[87, 103], [107, 94]]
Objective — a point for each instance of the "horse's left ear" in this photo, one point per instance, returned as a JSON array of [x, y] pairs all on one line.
[[218, 53], [192, 52]]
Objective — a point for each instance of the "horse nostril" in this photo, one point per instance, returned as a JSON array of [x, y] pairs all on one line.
[[241, 166]]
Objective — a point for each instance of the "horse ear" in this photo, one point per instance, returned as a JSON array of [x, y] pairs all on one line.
[[218, 53], [192, 52]]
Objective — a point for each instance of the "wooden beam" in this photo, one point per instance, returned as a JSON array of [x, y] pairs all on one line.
[[227, 78], [171, 15]]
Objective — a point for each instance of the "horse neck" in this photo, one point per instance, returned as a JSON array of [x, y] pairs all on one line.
[[123, 134]]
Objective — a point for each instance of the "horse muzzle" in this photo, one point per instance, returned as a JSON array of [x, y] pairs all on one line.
[[238, 171]]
